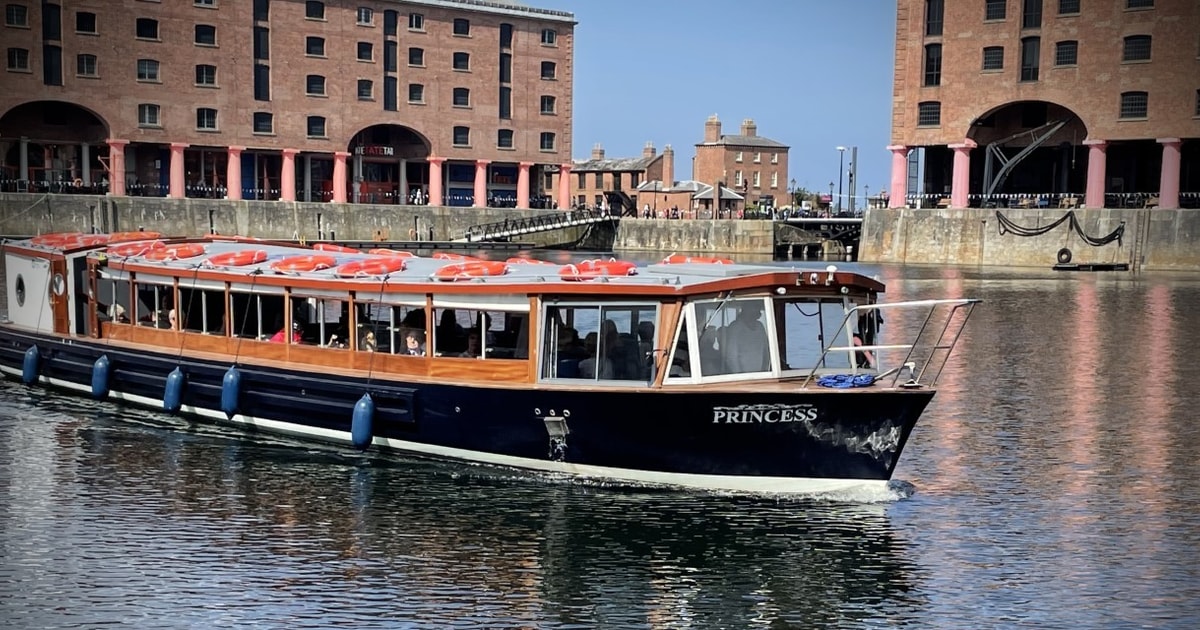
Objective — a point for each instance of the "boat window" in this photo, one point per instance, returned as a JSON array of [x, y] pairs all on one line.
[[806, 327], [203, 310], [383, 327], [255, 316], [117, 297], [599, 342], [480, 334], [732, 336], [325, 322], [681, 360]]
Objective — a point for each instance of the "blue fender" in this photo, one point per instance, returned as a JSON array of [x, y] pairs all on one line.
[[29, 369], [231, 389], [173, 393], [100, 372], [361, 424]]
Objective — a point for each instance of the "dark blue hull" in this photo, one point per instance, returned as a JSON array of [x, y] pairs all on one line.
[[721, 439]]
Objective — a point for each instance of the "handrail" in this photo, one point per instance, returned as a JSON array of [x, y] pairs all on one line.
[[524, 225]]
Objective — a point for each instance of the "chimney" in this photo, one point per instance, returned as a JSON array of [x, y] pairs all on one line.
[[668, 167], [748, 127], [598, 151], [712, 130], [648, 151]]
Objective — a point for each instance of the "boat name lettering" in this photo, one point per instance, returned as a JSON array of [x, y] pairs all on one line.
[[768, 414]]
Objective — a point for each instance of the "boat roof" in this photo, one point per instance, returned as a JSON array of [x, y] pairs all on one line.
[[602, 276]]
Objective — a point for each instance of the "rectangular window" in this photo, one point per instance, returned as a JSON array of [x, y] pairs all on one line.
[[314, 85], [737, 178], [599, 342], [1139, 4], [774, 158], [262, 43], [506, 35], [504, 139], [549, 70], [316, 126], [548, 104], [1066, 53], [85, 65], [206, 119], [314, 46], [933, 65], [1197, 112], [462, 136], [462, 27], [85, 22], [1134, 104], [391, 19], [462, 97], [505, 68], [505, 103], [264, 122], [205, 3], [462, 61], [416, 22], [1031, 14], [737, 157], [52, 71], [549, 37], [757, 179], [365, 16], [1068, 7], [314, 10], [774, 180], [366, 90], [934, 10], [147, 70], [206, 35], [929, 114], [206, 75], [1137, 48], [366, 51], [148, 115], [994, 9], [51, 21], [1031, 50], [390, 56], [757, 158], [547, 141], [416, 93], [262, 82], [993, 58], [582, 183], [16, 15], [416, 57], [146, 28], [262, 10], [390, 94]]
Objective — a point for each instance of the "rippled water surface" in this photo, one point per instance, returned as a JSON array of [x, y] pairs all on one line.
[[1053, 483]]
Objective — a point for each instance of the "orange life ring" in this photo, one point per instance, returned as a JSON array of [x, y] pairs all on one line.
[[450, 256], [122, 237], [303, 263], [591, 269], [91, 240], [392, 252], [167, 253], [239, 258], [518, 260], [330, 247], [133, 248], [378, 266], [471, 269], [680, 259], [56, 240]]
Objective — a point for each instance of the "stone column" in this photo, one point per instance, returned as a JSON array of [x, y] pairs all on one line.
[[564, 187], [898, 193], [481, 183], [435, 180], [85, 161], [23, 159], [403, 191], [287, 176], [960, 184], [339, 176], [233, 173], [176, 189], [1168, 186], [523, 185], [356, 177], [1097, 163], [308, 177], [116, 166]]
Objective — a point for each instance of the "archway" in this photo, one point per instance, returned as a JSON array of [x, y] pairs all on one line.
[[388, 164], [52, 146], [1029, 149]]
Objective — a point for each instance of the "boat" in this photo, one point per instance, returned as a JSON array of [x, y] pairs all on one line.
[[700, 373]]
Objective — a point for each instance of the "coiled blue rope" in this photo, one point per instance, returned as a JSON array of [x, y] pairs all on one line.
[[846, 381]]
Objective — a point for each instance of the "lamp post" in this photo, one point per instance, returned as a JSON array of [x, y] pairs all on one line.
[[829, 210], [867, 194], [841, 166]]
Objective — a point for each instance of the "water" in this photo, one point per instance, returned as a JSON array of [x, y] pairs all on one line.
[[1052, 484]]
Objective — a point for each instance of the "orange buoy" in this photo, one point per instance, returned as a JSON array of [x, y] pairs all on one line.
[[90, 240], [378, 266], [303, 263], [132, 248], [167, 253], [450, 256], [591, 269], [391, 252], [518, 260], [330, 247], [122, 237], [238, 258], [56, 240], [471, 269], [680, 259]]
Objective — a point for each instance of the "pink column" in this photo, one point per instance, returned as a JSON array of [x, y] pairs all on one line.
[[1168, 186], [177, 183], [435, 180], [116, 166], [564, 187], [481, 183], [523, 185], [899, 190], [287, 176], [233, 173], [1097, 162], [339, 176], [960, 185]]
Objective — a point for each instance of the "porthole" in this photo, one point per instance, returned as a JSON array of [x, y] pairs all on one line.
[[20, 290], [58, 285]]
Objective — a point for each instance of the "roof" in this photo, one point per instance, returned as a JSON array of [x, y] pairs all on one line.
[[504, 7], [746, 141], [687, 185], [615, 164], [726, 194]]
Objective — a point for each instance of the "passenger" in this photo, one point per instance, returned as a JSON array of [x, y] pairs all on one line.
[[413, 344], [172, 320], [868, 328], [569, 345], [645, 333], [281, 336], [368, 342], [588, 366], [746, 341], [473, 350], [710, 354]]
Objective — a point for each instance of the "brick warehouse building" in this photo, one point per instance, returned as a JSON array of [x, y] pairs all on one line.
[[442, 101], [1047, 99]]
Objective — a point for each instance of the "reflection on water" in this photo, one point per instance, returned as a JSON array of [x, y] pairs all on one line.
[[1054, 474]]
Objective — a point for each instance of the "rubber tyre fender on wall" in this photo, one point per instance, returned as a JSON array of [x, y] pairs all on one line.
[[1064, 256]]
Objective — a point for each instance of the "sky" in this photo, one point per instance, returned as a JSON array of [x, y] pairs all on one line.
[[813, 74]]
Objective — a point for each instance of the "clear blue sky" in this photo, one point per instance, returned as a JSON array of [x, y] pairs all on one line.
[[813, 74]]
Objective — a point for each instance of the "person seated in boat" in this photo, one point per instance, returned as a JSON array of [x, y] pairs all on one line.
[[569, 345], [594, 367], [710, 354], [172, 320], [745, 344], [367, 343], [449, 337], [473, 349], [281, 336], [336, 341], [117, 314], [868, 327], [645, 336], [414, 345]]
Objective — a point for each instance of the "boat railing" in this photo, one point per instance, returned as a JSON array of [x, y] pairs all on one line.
[[928, 352]]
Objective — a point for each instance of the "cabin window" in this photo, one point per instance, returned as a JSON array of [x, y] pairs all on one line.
[[256, 316], [154, 301], [732, 336], [20, 290], [325, 322], [807, 326], [599, 342], [113, 303], [203, 310], [480, 334], [386, 328]]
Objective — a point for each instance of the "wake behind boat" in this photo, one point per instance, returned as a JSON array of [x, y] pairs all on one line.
[[694, 372]]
